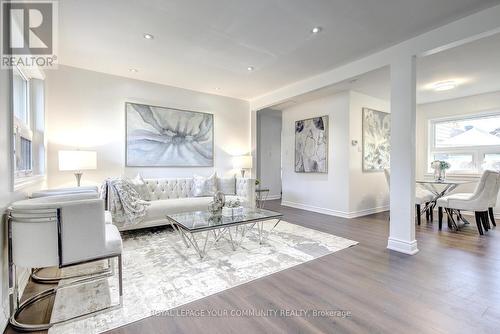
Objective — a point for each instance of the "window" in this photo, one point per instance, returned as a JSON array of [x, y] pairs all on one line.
[[469, 143], [23, 135]]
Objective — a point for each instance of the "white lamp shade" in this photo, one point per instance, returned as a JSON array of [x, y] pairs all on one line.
[[77, 160], [242, 162]]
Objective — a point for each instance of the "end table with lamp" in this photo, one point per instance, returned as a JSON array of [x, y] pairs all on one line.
[[261, 196]]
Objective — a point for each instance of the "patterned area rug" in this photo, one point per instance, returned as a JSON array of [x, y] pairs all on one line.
[[160, 273]]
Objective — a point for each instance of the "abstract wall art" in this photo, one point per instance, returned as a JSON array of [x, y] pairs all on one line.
[[167, 137], [376, 140], [311, 145]]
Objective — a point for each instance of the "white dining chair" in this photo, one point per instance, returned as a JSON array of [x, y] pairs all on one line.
[[493, 203], [422, 197], [478, 202], [58, 231]]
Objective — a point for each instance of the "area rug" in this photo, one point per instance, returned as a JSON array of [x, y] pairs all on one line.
[[160, 273]]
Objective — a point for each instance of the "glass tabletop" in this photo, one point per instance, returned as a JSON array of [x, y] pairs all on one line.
[[443, 182], [203, 220]]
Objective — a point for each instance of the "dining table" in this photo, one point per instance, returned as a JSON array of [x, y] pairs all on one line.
[[440, 188]]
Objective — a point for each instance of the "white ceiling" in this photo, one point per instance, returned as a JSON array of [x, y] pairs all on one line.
[[474, 66], [204, 45]]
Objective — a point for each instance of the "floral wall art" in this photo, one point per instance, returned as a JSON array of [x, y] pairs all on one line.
[[158, 136], [376, 140]]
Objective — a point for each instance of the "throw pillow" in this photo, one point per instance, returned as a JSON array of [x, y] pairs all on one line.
[[227, 185], [204, 186], [141, 187]]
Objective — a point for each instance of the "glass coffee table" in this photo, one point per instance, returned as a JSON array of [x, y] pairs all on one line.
[[195, 228]]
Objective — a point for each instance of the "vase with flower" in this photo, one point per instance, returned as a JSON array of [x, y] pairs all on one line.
[[440, 168]]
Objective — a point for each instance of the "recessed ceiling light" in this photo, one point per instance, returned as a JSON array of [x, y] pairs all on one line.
[[133, 70], [316, 30], [217, 88], [148, 36], [250, 68], [444, 85]]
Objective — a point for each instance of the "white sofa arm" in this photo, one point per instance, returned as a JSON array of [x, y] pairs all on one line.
[[245, 188]]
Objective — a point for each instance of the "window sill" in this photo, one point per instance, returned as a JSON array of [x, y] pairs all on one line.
[[23, 182]]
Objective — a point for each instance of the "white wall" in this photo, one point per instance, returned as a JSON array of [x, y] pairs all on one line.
[[345, 191], [269, 151], [476, 104], [325, 193], [369, 192], [86, 109]]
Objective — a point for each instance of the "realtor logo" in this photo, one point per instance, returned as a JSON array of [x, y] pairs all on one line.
[[29, 34]]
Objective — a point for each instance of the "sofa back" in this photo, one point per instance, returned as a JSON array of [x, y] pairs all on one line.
[[169, 188], [182, 188]]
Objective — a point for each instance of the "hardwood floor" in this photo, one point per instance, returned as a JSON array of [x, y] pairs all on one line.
[[451, 286]]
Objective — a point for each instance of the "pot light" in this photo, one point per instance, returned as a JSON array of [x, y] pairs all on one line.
[[250, 68], [316, 30], [444, 85], [148, 36], [133, 70]]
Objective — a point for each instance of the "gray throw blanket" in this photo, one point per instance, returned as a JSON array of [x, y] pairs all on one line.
[[123, 201]]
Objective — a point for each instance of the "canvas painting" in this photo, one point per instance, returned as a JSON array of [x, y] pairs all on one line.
[[376, 140], [311, 145], [166, 137]]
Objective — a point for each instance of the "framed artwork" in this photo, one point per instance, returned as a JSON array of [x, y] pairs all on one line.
[[376, 140], [311, 145], [167, 137]]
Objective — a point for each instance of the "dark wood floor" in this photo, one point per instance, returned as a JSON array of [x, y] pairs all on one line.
[[451, 286]]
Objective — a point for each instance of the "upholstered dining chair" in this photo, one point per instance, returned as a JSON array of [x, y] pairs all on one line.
[[478, 202], [493, 203], [58, 231], [422, 197]]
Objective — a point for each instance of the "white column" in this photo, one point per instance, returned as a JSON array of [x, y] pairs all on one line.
[[403, 123]]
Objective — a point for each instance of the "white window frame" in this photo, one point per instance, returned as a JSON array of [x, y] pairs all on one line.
[[22, 129], [478, 152]]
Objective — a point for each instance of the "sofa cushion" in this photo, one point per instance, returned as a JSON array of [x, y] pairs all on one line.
[[204, 186], [227, 185], [160, 208]]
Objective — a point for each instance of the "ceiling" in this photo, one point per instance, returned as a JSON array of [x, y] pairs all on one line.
[[475, 67], [208, 45]]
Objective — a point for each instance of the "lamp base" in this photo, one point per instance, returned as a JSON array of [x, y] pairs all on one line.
[[78, 176], [242, 173]]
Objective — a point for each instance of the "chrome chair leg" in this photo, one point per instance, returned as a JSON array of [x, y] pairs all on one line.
[[16, 308], [54, 280]]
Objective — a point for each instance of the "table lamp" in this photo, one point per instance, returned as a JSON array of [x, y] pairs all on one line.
[[242, 162], [77, 161]]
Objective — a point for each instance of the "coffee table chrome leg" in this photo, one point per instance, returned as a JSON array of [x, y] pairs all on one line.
[[178, 230], [260, 227], [191, 238], [231, 239], [278, 221]]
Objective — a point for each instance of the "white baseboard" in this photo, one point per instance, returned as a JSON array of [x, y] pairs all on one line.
[[366, 212], [402, 246], [273, 197], [337, 213]]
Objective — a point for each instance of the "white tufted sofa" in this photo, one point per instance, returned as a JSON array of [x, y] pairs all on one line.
[[170, 196]]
